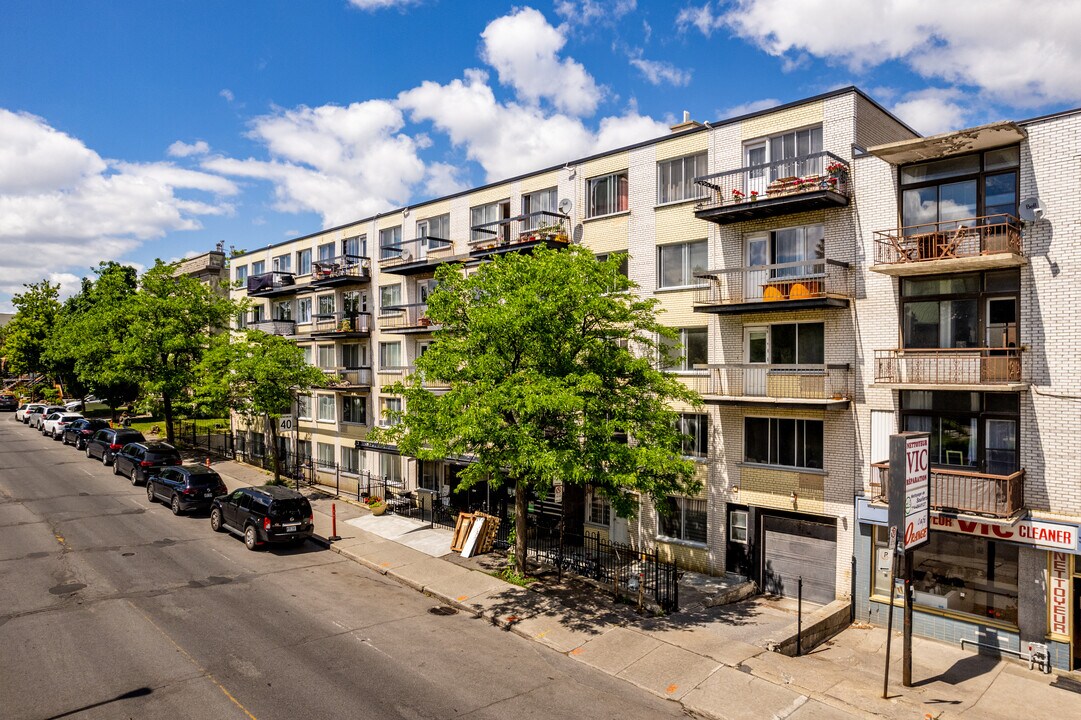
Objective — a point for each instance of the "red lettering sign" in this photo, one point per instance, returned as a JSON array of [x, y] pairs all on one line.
[[1058, 595]]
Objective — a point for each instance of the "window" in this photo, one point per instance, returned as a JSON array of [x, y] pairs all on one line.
[[784, 442], [282, 263], [797, 344], [304, 262], [969, 430], [390, 467], [350, 460], [326, 304], [682, 519], [307, 354], [304, 310], [304, 407], [354, 248], [258, 313], [390, 355], [540, 201], [437, 227], [695, 428], [694, 349], [354, 355], [326, 408], [325, 456], [241, 320], [390, 405], [241, 274], [390, 242], [959, 188], [326, 356], [600, 510], [390, 296], [948, 311], [623, 263], [355, 409], [304, 450], [677, 264], [353, 302], [793, 145], [675, 178], [737, 526], [258, 445], [258, 267], [283, 310], [607, 194], [326, 251], [484, 214]]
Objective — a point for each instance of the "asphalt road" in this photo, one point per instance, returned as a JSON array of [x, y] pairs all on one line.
[[110, 607]]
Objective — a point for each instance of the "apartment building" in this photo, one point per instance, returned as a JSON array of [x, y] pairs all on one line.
[[834, 278]]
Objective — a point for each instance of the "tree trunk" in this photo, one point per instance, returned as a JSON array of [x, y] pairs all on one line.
[[167, 409], [275, 450], [521, 523]]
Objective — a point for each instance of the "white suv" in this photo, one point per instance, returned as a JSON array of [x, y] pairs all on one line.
[[54, 425]]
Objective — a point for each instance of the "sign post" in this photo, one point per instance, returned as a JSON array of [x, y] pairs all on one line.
[[909, 517]]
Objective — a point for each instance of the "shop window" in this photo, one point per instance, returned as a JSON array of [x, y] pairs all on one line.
[[682, 519]]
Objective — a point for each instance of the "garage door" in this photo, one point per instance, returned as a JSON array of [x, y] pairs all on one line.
[[793, 547]]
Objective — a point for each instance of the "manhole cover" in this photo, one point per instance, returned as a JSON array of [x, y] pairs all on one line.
[[442, 610]]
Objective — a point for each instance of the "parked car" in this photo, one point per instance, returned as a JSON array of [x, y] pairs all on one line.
[[54, 425], [37, 419], [9, 403], [266, 514], [21, 412], [138, 460], [35, 411], [185, 488], [80, 431], [74, 406], [107, 442]]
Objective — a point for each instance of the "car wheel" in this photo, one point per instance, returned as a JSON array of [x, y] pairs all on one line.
[[116, 469], [150, 493], [88, 452], [250, 538], [175, 505], [215, 520], [135, 477], [105, 457], [64, 439]]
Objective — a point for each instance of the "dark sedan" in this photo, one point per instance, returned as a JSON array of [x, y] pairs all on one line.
[[80, 431], [185, 488], [138, 460], [107, 442]]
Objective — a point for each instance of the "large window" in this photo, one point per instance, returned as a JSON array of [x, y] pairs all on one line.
[[949, 311], [390, 355], [485, 214], [390, 406], [354, 355], [258, 267], [326, 408], [326, 251], [540, 201], [959, 188], [390, 242], [241, 274], [355, 247], [350, 460], [784, 442], [794, 146], [304, 310], [326, 357], [355, 409], [390, 467], [682, 519], [969, 430], [694, 349], [434, 229], [675, 178], [797, 344], [695, 429], [677, 264], [795, 249], [283, 310], [282, 263], [304, 262], [326, 304], [390, 296], [304, 407], [607, 194]]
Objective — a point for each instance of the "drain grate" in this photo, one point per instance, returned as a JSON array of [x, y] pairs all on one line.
[[442, 610]]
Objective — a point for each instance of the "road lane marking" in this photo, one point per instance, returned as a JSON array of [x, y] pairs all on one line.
[[206, 673]]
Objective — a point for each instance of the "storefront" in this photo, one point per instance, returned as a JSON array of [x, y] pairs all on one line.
[[996, 583]]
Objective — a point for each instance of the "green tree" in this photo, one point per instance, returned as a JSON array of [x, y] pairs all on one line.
[[27, 335], [256, 376], [543, 387], [171, 322]]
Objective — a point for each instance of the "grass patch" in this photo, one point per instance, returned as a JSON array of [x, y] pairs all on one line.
[[509, 574], [214, 425]]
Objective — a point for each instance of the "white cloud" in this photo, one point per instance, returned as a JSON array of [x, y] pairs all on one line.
[[585, 14], [227, 94], [963, 42], [933, 110], [524, 50], [658, 72], [183, 149], [62, 206], [444, 179], [748, 107], [700, 17]]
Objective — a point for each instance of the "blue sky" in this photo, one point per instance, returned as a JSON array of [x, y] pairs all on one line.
[[132, 130]]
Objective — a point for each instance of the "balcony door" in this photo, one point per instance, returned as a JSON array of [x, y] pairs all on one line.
[[757, 275], [756, 176], [756, 360], [423, 232]]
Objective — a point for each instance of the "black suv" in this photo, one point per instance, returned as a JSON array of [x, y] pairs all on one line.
[[185, 488], [138, 460], [80, 431], [107, 442], [266, 514], [9, 402]]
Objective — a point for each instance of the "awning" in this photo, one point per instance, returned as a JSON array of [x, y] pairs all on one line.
[[984, 137]]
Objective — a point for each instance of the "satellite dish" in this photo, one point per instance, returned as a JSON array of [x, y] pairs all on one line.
[[406, 255], [1031, 210], [565, 206]]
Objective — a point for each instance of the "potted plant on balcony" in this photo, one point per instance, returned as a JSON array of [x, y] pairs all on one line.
[[424, 321], [346, 325], [754, 195], [737, 195], [376, 504]]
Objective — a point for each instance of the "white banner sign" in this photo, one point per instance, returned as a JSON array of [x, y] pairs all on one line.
[[917, 491], [1050, 536], [1058, 595]]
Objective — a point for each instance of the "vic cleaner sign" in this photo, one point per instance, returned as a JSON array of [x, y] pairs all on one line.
[[910, 488]]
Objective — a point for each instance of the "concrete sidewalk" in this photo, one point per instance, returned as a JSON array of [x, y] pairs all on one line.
[[697, 657]]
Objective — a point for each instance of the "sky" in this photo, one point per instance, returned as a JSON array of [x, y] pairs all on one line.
[[134, 130]]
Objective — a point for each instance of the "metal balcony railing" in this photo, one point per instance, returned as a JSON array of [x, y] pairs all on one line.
[[540, 226], [963, 491], [404, 317], [341, 269], [775, 180], [352, 376], [949, 366], [781, 382], [949, 240], [427, 383], [270, 282], [274, 327], [816, 278], [413, 251], [341, 322]]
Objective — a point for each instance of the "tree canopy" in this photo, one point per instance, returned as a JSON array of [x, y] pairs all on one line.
[[553, 363], [26, 336]]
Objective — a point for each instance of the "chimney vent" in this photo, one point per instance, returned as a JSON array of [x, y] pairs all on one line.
[[687, 123]]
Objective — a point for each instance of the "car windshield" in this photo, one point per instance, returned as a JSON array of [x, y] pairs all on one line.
[[164, 455], [285, 508]]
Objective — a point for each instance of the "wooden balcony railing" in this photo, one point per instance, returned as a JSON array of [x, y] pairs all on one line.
[[949, 240], [781, 382], [949, 366], [818, 278], [962, 491]]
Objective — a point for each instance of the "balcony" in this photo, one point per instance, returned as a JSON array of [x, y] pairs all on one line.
[[818, 283], [405, 319], [828, 386], [272, 284], [971, 369], [284, 328], [414, 257], [341, 270], [349, 378], [388, 375], [433, 385], [342, 324], [979, 243], [808, 182], [520, 233], [962, 491]]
